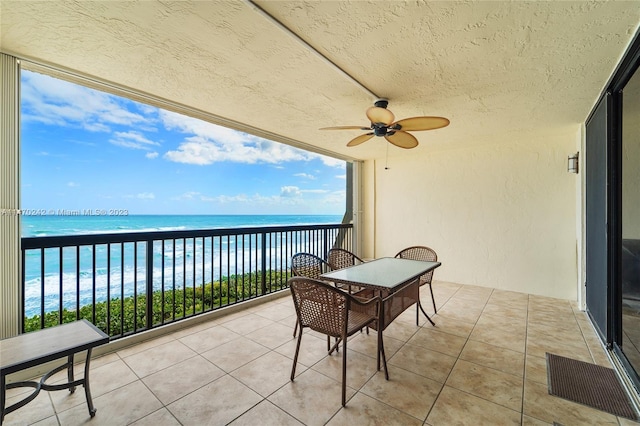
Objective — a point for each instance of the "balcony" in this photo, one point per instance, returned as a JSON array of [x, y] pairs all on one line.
[[483, 363], [491, 193]]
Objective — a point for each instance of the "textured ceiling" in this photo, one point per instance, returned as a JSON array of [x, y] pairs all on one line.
[[500, 71]]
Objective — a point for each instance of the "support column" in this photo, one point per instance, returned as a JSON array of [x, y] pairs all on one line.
[[10, 264], [358, 230]]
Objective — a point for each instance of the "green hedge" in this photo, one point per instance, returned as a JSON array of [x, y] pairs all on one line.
[[129, 314]]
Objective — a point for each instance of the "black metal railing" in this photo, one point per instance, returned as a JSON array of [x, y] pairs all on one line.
[[126, 283]]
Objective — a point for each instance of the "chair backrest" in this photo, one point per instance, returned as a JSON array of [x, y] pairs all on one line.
[[339, 258], [320, 306], [420, 253], [308, 265]]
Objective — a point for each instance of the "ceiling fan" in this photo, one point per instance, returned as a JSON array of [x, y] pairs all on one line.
[[382, 124]]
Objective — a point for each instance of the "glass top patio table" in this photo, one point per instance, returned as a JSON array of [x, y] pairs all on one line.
[[396, 277], [386, 273]]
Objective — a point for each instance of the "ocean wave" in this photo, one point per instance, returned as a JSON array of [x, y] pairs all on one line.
[[126, 230]]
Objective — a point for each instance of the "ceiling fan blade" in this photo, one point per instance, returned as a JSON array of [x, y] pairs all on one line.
[[345, 128], [402, 139], [360, 139], [421, 123], [380, 115]]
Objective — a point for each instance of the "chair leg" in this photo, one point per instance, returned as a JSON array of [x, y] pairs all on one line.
[[336, 345], [295, 330], [295, 357], [425, 314], [344, 371]]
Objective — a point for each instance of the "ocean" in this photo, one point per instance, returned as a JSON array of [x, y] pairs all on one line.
[[125, 270], [42, 226]]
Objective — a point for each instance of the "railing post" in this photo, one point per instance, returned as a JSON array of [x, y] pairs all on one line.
[[325, 243], [263, 265], [149, 283]]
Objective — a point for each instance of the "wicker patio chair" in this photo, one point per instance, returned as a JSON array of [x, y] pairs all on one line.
[[425, 254], [309, 266], [329, 310], [338, 258]]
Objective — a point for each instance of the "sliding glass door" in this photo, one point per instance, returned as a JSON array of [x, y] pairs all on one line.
[[612, 210], [630, 223]]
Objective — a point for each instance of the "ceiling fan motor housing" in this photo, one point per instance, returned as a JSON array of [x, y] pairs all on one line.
[[381, 103], [379, 129]]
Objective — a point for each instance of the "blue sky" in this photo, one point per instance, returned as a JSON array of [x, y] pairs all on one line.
[[85, 149]]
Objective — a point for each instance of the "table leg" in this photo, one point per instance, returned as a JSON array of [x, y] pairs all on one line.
[[381, 327], [384, 357], [72, 389], [378, 355], [87, 389]]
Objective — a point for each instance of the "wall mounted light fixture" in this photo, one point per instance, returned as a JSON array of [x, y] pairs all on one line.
[[572, 163]]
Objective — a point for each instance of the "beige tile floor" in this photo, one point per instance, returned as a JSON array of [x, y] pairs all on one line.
[[483, 363]]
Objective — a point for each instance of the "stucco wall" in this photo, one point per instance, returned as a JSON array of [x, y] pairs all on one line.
[[501, 215]]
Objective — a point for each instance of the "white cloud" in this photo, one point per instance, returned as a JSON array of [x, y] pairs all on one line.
[[341, 176], [142, 196], [208, 143], [336, 197], [132, 139], [151, 155], [314, 191], [290, 191], [190, 195], [290, 198], [333, 162], [49, 154], [96, 127], [225, 199], [305, 176], [57, 102], [202, 150], [251, 201], [72, 184]]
